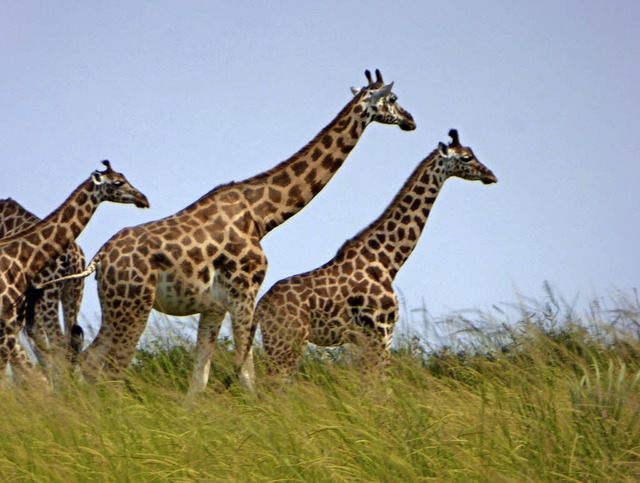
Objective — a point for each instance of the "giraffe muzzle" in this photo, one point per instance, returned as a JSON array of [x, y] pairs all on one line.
[[489, 178], [142, 202], [408, 124]]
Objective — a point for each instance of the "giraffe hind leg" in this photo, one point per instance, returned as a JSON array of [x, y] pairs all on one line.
[[70, 298], [44, 328], [71, 293], [242, 313], [284, 343], [208, 329]]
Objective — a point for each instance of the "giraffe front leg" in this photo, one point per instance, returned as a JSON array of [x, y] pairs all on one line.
[[23, 370], [373, 337], [208, 330], [11, 350]]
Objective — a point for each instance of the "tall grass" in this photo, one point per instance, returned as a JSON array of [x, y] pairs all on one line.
[[534, 392]]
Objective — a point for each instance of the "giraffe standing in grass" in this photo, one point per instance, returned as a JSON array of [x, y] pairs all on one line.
[[207, 258], [44, 330], [350, 299], [24, 255]]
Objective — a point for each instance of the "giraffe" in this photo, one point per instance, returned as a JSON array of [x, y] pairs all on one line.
[[24, 254], [45, 329], [350, 299], [207, 259]]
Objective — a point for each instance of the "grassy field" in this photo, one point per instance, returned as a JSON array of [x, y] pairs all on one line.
[[537, 393]]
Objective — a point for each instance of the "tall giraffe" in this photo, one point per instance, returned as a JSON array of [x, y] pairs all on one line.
[[206, 259], [44, 329], [25, 254], [350, 299]]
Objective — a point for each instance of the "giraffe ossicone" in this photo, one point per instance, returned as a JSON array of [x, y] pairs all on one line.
[[350, 299], [207, 259]]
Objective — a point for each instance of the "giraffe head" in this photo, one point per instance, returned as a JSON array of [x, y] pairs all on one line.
[[458, 160], [109, 185], [380, 104]]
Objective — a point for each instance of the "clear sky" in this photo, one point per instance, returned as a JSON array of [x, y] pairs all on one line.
[[183, 96]]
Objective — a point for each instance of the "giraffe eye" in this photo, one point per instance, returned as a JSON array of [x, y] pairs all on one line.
[[118, 183], [466, 158]]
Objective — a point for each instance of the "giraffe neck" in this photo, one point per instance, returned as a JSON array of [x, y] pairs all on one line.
[[392, 236], [47, 239], [14, 218], [281, 192]]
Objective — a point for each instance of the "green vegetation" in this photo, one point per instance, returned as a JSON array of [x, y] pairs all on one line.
[[535, 392]]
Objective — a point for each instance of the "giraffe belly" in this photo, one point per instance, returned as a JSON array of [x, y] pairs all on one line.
[[176, 295]]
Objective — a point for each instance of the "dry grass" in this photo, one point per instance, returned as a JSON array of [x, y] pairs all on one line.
[[550, 396]]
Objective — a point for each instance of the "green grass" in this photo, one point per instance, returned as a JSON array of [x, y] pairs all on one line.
[[536, 393]]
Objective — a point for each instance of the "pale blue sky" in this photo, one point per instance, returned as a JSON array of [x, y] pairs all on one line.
[[183, 96]]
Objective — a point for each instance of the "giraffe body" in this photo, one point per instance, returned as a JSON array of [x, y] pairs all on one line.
[[350, 299], [45, 329], [24, 255], [207, 259]]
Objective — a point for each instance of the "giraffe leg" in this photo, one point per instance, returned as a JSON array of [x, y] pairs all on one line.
[[6, 344], [44, 330], [242, 308], [70, 298], [92, 358], [36, 332], [12, 351], [284, 342], [374, 339], [208, 330], [124, 318], [283, 358], [374, 355], [126, 337]]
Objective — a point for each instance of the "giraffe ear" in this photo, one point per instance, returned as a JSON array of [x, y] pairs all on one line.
[[97, 178], [356, 90], [443, 149], [382, 92]]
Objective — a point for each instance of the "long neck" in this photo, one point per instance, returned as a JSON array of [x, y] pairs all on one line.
[[278, 194], [36, 246], [392, 236], [14, 218]]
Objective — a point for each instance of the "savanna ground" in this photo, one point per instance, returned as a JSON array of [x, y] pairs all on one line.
[[538, 391]]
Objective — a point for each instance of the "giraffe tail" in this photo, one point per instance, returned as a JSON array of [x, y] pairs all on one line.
[[92, 267]]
